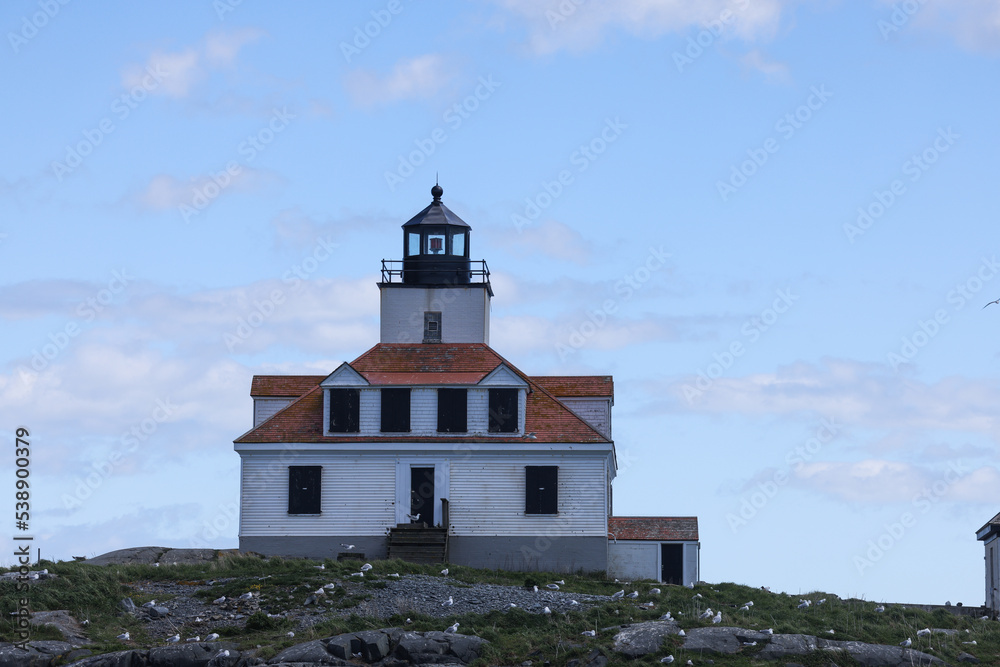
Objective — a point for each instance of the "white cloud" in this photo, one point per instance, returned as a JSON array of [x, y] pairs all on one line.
[[774, 71], [176, 73], [973, 24], [165, 191], [550, 238], [554, 25], [411, 78]]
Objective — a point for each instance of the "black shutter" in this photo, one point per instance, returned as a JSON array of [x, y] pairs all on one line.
[[304, 489], [541, 489], [503, 411], [395, 410], [452, 411], [345, 410]]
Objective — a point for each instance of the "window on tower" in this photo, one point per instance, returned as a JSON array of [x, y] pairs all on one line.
[[435, 244]]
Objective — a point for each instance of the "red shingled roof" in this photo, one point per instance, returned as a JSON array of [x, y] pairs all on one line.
[[577, 386], [653, 528], [302, 420], [287, 386]]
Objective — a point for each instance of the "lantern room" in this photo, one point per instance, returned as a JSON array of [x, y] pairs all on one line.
[[436, 246]]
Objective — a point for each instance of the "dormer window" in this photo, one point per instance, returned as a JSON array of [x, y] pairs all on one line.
[[503, 411], [345, 410]]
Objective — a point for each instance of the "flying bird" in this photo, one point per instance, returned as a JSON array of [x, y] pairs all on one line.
[[906, 643], [212, 637], [992, 302], [366, 567], [589, 633], [452, 628]]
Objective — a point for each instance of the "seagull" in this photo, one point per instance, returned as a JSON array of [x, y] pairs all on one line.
[[560, 582], [448, 602], [689, 585], [552, 587], [289, 634], [992, 302], [408, 621], [572, 602], [696, 596], [512, 605], [246, 596], [830, 632], [717, 618], [906, 643], [633, 595], [546, 610], [534, 589], [648, 605], [156, 565], [445, 572], [744, 608], [803, 604], [748, 604], [654, 591], [972, 643], [224, 653], [452, 629], [197, 619], [682, 634], [394, 574], [366, 567], [589, 633], [150, 604], [357, 574], [212, 637], [705, 614], [619, 595], [924, 632], [347, 546], [413, 517], [196, 638], [689, 663], [666, 617], [174, 639], [769, 631], [320, 566], [320, 591], [821, 601], [330, 585], [879, 609], [669, 659], [123, 637], [219, 600]]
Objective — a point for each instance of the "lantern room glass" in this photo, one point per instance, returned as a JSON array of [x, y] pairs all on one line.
[[413, 244], [458, 244]]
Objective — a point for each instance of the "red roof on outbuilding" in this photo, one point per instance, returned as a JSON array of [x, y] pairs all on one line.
[[653, 528], [288, 386], [577, 386]]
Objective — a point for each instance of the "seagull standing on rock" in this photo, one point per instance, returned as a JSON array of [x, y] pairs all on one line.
[[448, 602], [452, 629], [212, 637], [906, 643], [150, 604], [174, 639]]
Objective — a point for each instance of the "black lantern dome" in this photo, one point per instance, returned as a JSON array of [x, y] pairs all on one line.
[[436, 246]]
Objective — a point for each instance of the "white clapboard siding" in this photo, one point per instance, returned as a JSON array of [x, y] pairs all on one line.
[[594, 411], [264, 408], [357, 496], [487, 496]]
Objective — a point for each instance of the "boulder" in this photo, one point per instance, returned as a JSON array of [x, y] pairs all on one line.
[[158, 612], [641, 639], [38, 654], [968, 657]]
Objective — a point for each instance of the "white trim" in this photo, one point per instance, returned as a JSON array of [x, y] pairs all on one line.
[[502, 376], [407, 448], [344, 376]]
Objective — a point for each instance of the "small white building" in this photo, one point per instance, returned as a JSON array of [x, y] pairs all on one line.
[[659, 548], [430, 446], [990, 536]]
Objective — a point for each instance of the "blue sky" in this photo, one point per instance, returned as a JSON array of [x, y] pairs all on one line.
[[770, 221]]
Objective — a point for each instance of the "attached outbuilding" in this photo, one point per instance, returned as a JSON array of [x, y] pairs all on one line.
[[990, 536], [659, 548]]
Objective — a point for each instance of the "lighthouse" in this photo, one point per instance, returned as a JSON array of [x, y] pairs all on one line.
[[436, 293]]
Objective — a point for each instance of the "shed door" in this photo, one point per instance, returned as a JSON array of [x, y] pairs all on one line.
[[422, 495], [672, 563]]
